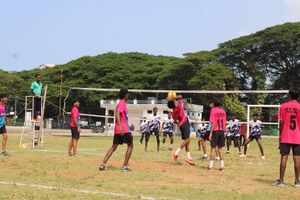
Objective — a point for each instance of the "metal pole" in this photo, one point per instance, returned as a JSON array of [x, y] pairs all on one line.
[[106, 121], [248, 120], [15, 110], [60, 95]]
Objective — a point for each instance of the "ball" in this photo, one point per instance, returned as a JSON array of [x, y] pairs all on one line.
[[172, 95]]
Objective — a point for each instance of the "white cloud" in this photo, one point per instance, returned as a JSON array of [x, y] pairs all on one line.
[[293, 9]]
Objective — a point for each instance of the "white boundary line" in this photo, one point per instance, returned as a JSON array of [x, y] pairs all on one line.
[[65, 152], [49, 187]]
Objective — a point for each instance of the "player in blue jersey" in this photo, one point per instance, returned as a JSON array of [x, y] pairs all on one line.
[[168, 130], [203, 135], [233, 133], [144, 130], [153, 128], [255, 134]]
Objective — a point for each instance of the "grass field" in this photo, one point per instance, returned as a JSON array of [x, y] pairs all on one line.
[[48, 173]]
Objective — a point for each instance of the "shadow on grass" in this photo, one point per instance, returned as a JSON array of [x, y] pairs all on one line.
[[264, 181]]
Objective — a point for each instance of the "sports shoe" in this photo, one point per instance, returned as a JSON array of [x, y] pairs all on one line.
[[263, 157], [217, 158], [210, 169], [243, 155], [227, 152], [125, 169], [102, 167], [4, 153], [278, 183], [175, 157], [297, 183], [70, 154], [190, 161], [170, 148], [204, 157]]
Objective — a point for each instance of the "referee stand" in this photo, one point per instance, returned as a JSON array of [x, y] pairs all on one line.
[[33, 128]]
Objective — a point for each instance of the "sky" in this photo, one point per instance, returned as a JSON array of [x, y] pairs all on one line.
[[35, 32]]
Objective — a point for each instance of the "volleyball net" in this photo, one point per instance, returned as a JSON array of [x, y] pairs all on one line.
[[98, 106]]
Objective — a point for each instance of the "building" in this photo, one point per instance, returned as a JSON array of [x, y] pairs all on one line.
[[142, 109], [44, 66]]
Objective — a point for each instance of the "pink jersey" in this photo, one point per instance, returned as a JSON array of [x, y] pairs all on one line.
[[122, 109], [218, 118], [2, 115], [289, 115], [75, 115], [179, 114]]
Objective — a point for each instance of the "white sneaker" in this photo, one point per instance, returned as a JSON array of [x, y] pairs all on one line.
[[263, 157], [243, 156], [218, 158]]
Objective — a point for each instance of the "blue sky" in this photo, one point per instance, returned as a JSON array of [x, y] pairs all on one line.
[[35, 32]]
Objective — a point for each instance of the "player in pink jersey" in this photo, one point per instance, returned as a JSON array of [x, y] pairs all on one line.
[[75, 123], [289, 135], [217, 132], [182, 121], [3, 120], [122, 132]]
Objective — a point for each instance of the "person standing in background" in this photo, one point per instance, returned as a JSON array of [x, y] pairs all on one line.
[[36, 90]]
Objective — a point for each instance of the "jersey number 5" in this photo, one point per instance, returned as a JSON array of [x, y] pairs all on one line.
[[293, 122]]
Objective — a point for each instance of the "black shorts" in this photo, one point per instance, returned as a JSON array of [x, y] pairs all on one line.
[[75, 133], [255, 137], [205, 136], [121, 139], [3, 130], [166, 134], [217, 139], [286, 148], [154, 132], [185, 130]]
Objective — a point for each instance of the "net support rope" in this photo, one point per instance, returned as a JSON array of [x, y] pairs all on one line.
[[187, 91]]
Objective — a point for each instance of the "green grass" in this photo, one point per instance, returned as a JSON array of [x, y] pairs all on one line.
[[154, 175]]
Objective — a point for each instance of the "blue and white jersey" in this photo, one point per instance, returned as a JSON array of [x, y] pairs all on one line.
[[154, 122], [202, 129], [256, 127], [227, 132], [205, 128], [234, 128], [144, 127], [208, 127], [168, 126]]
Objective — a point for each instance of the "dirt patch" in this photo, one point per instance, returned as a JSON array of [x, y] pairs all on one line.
[[73, 175]]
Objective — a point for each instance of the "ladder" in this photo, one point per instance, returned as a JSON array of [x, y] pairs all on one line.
[[33, 129]]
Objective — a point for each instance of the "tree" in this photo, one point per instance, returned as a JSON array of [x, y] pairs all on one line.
[[273, 53], [217, 77]]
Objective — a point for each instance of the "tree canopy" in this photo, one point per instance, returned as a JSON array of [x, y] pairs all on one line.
[[267, 59]]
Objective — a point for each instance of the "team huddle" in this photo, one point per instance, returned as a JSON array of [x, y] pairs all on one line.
[[217, 131]]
